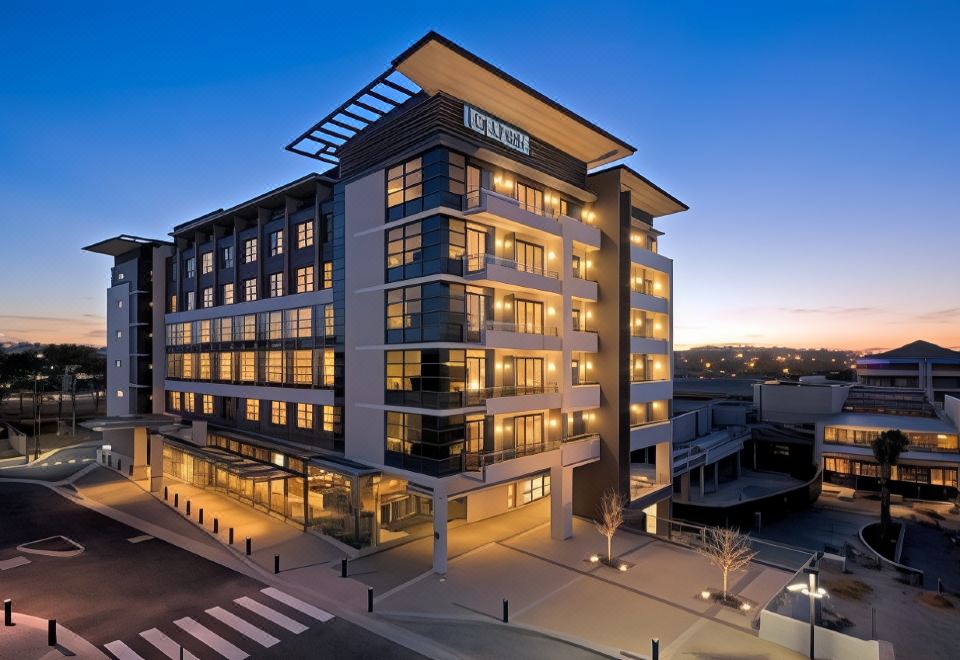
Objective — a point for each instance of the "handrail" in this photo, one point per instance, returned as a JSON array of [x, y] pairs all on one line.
[[479, 460], [521, 328], [477, 263]]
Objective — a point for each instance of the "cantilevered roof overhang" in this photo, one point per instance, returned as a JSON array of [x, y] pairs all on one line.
[[122, 244], [436, 64], [644, 194]]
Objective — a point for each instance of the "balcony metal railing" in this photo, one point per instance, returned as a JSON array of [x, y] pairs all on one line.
[[477, 263], [521, 328], [580, 275], [647, 288], [476, 461], [462, 398], [474, 198]]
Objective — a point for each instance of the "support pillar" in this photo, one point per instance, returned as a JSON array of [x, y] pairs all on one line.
[[139, 467], [737, 464], [156, 463], [716, 477], [440, 531], [685, 487], [703, 474], [561, 502]]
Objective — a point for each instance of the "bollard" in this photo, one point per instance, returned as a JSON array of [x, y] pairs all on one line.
[[369, 599], [506, 611], [230, 535], [276, 564], [188, 508], [52, 632], [655, 649], [200, 516], [216, 525], [249, 546], [176, 500], [165, 493], [343, 567], [8, 612]]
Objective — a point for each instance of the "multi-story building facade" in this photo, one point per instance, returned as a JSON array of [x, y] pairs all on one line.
[[465, 314], [919, 364]]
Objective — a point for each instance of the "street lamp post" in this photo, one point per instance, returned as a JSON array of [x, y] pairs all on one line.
[[814, 592], [36, 412]]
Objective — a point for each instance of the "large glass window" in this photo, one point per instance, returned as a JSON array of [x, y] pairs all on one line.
[[529, 256], [528, 316], [304, 279], [304, 416], [530, 198], [252, 412], [305, 234], [228, 293], [226, 257], [278, 413], [431, 246], [276, 243], [431, 312], [206, 263], [276, 285], [404, 182], [190, 267], [226, 366], [249, 250], [528, 432], [250, 289]]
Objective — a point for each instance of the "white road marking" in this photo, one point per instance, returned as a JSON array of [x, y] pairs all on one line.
[[165, 645], [13, 563], [271, 614], [297, 604], [211, 639], [72, 461], [59, 463], [245, 628], [140, 539], [87, 459], [122, 652]]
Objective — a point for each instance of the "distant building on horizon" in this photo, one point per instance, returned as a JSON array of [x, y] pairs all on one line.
[[919, 364]]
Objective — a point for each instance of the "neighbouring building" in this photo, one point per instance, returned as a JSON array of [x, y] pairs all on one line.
[[466, 313], [920, 365]]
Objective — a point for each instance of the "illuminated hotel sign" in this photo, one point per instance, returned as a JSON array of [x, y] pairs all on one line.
[[495, 129]]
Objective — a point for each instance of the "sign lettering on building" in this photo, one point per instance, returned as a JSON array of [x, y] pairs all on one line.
[[495, 129]]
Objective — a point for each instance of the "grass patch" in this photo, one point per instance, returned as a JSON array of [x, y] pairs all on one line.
[[937, 601], [848, 588]]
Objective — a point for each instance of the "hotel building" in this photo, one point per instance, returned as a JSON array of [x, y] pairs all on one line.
[[920, 365], [466, 313]]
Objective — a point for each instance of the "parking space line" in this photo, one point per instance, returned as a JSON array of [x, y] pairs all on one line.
[[7, 564], [271, 615], [243, 627], [122, 652], [297, 604], [165, 645], [211, 639]]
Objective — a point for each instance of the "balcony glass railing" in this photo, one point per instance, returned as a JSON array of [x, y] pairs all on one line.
[[462, 398], [521, 328], [475, 198], [648, 288], [474, 461], [477, 263]]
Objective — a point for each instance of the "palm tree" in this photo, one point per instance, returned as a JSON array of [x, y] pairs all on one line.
[[887, 448]]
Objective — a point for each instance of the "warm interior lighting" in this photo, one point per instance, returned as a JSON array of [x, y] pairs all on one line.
[[508, 305], [589, 365], [551, 367], [507, 243], [551, 255], [551, 311], [553, 423], [589, 314], [656, 285]]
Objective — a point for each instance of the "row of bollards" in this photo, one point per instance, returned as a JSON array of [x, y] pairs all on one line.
[[216, 525], [8, 621]]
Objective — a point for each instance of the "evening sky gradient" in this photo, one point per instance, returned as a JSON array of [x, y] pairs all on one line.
[[816, 143]]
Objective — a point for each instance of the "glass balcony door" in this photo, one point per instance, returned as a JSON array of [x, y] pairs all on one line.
[[476, 315], [528, 433], [476, 249], [530, 198], [528, 316], [476, 372], [528, 374], [529, 256]]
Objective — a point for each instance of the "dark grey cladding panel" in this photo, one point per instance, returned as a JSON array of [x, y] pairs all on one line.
[[423, 117]]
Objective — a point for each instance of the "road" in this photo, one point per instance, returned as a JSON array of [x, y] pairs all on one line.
[[116, 589], [60, 465]]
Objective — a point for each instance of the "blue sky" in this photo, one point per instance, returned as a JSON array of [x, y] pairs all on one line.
[[816, 142]]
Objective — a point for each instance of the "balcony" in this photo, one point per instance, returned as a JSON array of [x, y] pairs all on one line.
[[650, 434], [651, 390], [651, 303], [648, 345], [515, 462], [520, 398], [582, 396], [507, 211], [491, 270], [580, 232], [638, 255], [579, 287], [582, 341], [527, 337]]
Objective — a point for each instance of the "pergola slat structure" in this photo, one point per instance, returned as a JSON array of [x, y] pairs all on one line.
[[386, 92]]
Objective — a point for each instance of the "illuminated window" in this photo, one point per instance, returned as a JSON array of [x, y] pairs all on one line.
[[226, 366], [191, 300], [173, 303], [331, 418], [328, 367], [278, 413], [250, 289], [274, 366], [187, 333], [404, 182], [189, 403], [188, 372], [253, 410], [304, 279], [247, 328], [305, 234], [299, 323], [228, 293], [173, 401], [276, 285], [327, 274], [534, 489], [190, 267], [304, 416], [207, 299], [204, 332], [249, 250], [328, 321], [119, 394], [204, 364], [224, 329], [276, 243], [303, 367], [248, 366], [207, 404], [206, 263], [119, 334], [119, 304], [272, 325]]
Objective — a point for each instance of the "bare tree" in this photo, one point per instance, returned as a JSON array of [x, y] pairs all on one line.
[[611, 517], [728, 550]]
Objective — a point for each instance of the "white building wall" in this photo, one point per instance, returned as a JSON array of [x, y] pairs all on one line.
[[118, 348], [364, 323]]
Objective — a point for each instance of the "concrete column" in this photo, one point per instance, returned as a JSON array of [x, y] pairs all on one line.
[[663, 517], [139, 453], [737, 464], [561, 502], [716, 476], [156, 463], [685, 487], [440, 531], [703, 474]]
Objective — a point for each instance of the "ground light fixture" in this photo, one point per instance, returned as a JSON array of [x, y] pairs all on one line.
[[814, 592]]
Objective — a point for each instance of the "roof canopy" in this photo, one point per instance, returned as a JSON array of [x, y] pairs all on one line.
[[436, 64], [644, 194], [122, 244]]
